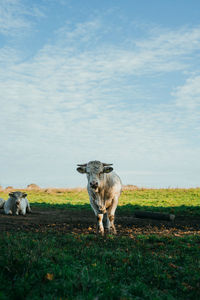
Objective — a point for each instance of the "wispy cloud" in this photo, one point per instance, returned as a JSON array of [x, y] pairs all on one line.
[[79, 98], [13, 16], [188, 95]]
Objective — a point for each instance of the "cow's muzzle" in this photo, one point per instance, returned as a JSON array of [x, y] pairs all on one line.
[[94, 185]]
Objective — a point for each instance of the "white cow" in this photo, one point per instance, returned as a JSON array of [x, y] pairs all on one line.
[[2, 201], [104, 188], [17, 204]]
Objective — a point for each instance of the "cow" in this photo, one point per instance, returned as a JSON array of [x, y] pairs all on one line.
[[17, 204], [2, 201], [104, 188]]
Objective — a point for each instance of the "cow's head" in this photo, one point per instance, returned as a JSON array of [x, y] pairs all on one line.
[[17, 197], [95, 171]]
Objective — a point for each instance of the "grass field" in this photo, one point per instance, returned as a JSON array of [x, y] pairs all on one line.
[[179, 201], [59, 265]]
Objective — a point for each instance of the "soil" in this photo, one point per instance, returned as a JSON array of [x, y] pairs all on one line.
[[84, 222]]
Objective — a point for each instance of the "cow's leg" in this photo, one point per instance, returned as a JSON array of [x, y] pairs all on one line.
[[8, 211], [100, 228], [111, 214], [93, 205], [28, 208], [23, 211], [7, 208], [107, 222], [99, 217]]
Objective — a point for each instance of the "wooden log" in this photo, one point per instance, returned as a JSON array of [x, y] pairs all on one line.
[[154, 215]]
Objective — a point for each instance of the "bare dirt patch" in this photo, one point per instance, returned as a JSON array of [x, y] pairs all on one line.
[[84, 221]]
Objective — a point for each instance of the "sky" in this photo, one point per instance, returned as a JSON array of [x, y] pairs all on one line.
[[111, 80]]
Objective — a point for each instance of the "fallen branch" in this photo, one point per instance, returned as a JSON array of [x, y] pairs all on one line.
[[154, 215]]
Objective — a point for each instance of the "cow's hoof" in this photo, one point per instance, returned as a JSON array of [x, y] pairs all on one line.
[[101, 232], [107, 230], [114, 231]]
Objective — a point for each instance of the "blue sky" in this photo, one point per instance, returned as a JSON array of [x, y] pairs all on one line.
[[116, 81]]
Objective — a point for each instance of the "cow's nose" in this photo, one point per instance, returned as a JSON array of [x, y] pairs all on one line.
[[94, 184], [17, 202]]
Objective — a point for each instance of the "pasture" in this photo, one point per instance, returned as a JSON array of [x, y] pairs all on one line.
[[54, 252]]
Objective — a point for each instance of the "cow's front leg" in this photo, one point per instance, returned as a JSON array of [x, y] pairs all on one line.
[[28, 208], [100, 228], [111, 214], [23, 211], [112, 219]]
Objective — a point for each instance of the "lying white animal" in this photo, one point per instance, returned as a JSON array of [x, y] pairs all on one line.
[[2, 201], [17, 204]]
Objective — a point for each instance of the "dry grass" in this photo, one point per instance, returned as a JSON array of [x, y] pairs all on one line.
[[48, 190], [53, 190], [130, 187]]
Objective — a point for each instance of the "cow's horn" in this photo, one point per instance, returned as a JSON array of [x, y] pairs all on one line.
[[83, 165], [104, 164]]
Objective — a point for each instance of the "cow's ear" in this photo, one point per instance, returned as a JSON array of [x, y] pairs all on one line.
[[11, 194], [81, 170], [107, 169], [24, 195]]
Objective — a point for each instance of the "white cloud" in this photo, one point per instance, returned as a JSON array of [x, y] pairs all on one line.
[[188, 95], [13, 16], [75, 101], [180, 41]]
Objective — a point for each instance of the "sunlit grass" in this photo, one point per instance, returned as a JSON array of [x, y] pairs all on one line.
[[170, 200]]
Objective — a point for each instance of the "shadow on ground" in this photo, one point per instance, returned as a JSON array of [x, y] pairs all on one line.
[[80, 219]]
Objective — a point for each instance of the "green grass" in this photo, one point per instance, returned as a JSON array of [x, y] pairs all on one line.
[[178, 201], [54, 265], [61, 199]]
